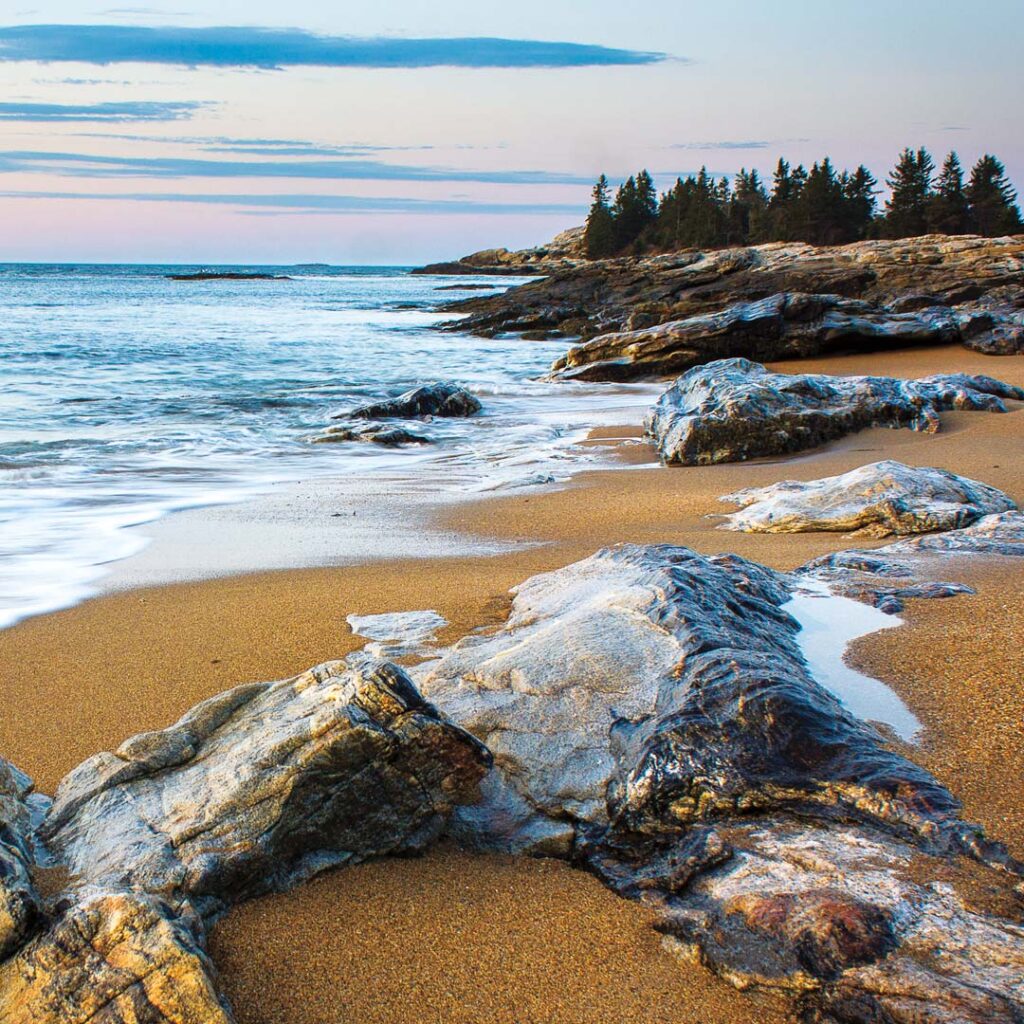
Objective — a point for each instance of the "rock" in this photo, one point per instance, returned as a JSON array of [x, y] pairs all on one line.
[[644, 679], [783, 326], [566, 249], [398, 634], [264, 786], [888, 576], [1002, 340], [112, 958], [19, 902], [879, 499], [387, 436], [591, 298], [651, 715], [440, 399], [732, 409]]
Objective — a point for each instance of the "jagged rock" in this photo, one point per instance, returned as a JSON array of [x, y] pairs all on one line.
[[782, 326], [880, 499], [589, 298], [265, 785], [732, 409], [112, 958], [1005, 339], [19, 901], [440, 399], [566, 249], [388, 436], [651, 715], [888, 576]]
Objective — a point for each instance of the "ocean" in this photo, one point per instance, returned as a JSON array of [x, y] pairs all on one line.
[[126, 395]]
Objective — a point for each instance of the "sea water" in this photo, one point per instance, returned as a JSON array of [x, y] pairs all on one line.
[[125, 395]]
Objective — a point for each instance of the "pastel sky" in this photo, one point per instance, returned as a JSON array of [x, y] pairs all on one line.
[[400, 131]]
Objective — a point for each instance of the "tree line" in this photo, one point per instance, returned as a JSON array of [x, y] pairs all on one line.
[[822, 206]]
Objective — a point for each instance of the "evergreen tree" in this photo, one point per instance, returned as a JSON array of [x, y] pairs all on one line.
[[910, 182], [599, 236], [646, 196], [992, 200], [859, 190], [820, 207], [947, 212], [748, 209]]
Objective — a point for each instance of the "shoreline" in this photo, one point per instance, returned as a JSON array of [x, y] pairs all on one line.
[[83, 679]]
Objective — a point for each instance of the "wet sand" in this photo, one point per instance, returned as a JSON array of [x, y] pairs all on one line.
[[527, 940]]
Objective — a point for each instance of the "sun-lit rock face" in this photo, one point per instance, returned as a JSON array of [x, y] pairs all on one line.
[[733, 409], [879, 500], [265, 785]]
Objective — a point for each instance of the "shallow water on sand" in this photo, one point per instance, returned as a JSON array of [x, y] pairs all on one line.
[[125, 395]]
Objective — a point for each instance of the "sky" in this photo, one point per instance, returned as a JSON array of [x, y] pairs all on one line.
[[400, 132]]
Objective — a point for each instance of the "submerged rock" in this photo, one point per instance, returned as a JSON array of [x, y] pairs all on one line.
[[265, 785], [880, 499], [112, 958], [388, 436], [440, 399], [19, 901], [732, 410], [651, 714]]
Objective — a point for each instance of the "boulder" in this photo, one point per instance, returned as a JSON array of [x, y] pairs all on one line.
[[386, 435], [732, 409], [651, 715], [19, 901], [783, 326], [112, 958], [440, 399], [880, 499], [263, 786]]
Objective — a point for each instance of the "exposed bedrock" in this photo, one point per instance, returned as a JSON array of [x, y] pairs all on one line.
[[651, 715], [733, 409], [974, 275], [263, 786], [440, 399], [112, 958], [385, 434], [19, 901], [887, 576], [879, 500]]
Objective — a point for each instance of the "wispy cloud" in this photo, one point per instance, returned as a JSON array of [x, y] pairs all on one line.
[[727, 144], [263, 147], [112, 112], [98, 166], [302, 204], [278, 48]]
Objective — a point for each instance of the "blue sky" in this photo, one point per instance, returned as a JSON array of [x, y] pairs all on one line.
[[400, 132]]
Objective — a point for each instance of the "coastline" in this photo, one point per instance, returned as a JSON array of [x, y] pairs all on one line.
[[83, 679]]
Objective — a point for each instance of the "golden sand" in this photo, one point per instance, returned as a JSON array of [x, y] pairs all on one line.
[[494, 939]]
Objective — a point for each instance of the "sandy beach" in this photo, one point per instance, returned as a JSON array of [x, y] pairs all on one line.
[[458, 938]]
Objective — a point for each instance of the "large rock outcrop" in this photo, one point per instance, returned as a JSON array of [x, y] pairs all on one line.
[[880, 499], [112, 958], [650, 710], [263, 786], [565, 250], [733, 409], [19, 901], [440, 399], [973, 276]]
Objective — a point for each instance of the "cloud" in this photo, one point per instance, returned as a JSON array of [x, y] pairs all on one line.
[[735, 144], [96, 166], [113, 112], [291, 204], [264, 147], [278, 48]]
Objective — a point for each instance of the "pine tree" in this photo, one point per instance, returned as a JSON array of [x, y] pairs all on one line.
[[910, 182], [646, 196], [947, 212], [599, 235], [992, 200], [859, 190]]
